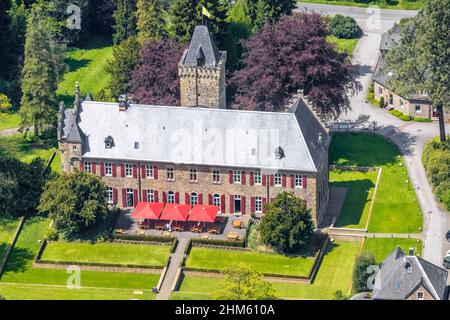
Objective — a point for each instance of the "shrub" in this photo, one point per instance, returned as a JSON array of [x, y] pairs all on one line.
[[422, 119], [52, 234], [344, 27], [135, 237], [400, 115], [360, 274], [381, 102], [443, 193], [339, 295], [438, 167]]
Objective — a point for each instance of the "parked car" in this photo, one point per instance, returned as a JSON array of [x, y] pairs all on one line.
[[446, 262], [447, 236]]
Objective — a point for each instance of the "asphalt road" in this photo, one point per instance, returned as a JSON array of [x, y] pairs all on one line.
[[370, 19]]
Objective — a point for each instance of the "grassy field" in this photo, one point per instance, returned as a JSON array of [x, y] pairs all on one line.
[[218, 259], [117, 253], [381, 248], [360, 187], [7, 229], [396, 4], [334, 274], [9, 121], [396, 209], [21, 280], [344, 45], [87, 66]]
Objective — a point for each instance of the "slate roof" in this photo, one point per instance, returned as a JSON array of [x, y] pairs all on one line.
[[203, 136], [390, 37], [401, 274], [202, 46], [71, 131]]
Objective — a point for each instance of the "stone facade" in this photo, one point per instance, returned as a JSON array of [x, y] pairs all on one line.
[[203, 85], [420, 294]]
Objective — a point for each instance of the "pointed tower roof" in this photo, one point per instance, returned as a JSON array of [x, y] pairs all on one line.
[[202, 45]]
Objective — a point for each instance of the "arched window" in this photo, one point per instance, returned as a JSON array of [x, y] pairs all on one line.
[[170, 197], [194, 198]]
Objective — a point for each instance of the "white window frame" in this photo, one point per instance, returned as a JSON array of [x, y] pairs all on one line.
[[237, 176], [108, 169], [193, 198], [216, 176], [88, 166], [420, 295], [129, 192], [217, 201], [193, 175], [258, 204], [149, 172], [257, 178], [298, 179], [150, 195], [128, 170], [278, 179], [170, 197], [420, 108], [109, 195], [170, 174]]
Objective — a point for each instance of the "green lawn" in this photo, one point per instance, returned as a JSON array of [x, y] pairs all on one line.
[[9, 121], [360, 187], [396, 4], [382, 247], [218, 259], [334, 274], [117, 253], [396, 209], [87, 66], [7, 229], [344, 45], [19, 270]]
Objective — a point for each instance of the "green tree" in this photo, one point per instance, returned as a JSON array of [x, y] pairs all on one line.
[[360, 271], [263, 11], [420, 62], [75, 202], [5, 37], [243, 282], [287, 225], [125, 20], [344, 27], [43, 67], [5, 104], [183, 19], [120, 68], [339, 295], [150, 22]]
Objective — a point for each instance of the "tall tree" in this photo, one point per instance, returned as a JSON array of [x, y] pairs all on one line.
[[155, 80], [420, 62], [183, 19], [101, 19], [263, 11], [294, 54], [5, 37], [150, 22], [125, 20], [361, 272], [243, 282], [43, 67], [121, 67]]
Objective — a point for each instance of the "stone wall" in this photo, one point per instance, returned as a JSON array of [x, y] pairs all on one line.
[[70, 155], [414, 294]]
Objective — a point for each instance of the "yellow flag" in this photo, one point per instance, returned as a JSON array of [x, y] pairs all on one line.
[[206, 12]]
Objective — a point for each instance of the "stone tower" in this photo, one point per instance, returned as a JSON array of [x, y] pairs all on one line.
[[202, 72]]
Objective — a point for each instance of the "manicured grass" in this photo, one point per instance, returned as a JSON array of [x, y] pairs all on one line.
[[19, 270], [382, 247], [334, 274], [360, 188], [7, 229], [398, 4], [87, 66], [117, 253], [9, 121], [396, 209], [218, 259], [343, 45]]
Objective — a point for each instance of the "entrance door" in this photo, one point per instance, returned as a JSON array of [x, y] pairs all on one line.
[[237, 204]]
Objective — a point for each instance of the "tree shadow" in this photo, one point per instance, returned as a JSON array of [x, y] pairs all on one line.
[[19, 260], [75, 64]]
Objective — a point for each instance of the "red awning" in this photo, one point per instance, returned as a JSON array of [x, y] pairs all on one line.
[[203, 213], [177, 212], [147, 210]]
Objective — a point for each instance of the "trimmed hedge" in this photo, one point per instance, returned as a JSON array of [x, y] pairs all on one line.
[[344, 27], [422, 119], [274, 275], [174, 245], [400, 115], [223, 243], [97, 264], [135, 237]]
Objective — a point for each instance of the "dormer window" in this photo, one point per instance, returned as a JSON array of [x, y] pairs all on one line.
[[109, 142], [279, 153], [136, 145]]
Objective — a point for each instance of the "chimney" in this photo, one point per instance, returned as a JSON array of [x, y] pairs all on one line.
[[123, 103], [411, 251], [60, 120], [77, 102]]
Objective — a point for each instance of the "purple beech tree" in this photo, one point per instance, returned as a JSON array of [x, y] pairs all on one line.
[[155, 79], [289, 55]]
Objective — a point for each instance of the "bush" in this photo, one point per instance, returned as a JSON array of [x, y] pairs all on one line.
[[400, 115], [213, 242], [443, 193], [135, 237], [52, 234], [360, 274], [382, 102], [344, 27], [422, 119]]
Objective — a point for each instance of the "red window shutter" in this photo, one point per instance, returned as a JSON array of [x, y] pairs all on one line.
[[94, 168], [102, 169], [122, 170], [155, 172], [155, 193], [222, 203], [187, 199], [243, 175], [114, 170], [135, 197], [304, 182], [264, 201], [230, 176], [124, 198], [134, 171], [164, 196], [283, 181], [252, 178], [200, 198], [305, 204], [272, 180], [210, 199], [293, 181], [114, 196], [81, 165], [252, 204], [264, 180], [144, 195], [143, 172], [243, 205], [177, 197], [231, 203]]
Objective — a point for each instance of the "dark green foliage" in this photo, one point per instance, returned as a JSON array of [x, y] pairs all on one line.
[[125, 20], [361, 271], [263, 11], [287, 225], [20, 186], [5, 37], [339, 295], [150, 23], [381, 102], [344, 27], [184, 19], [75, 202]]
